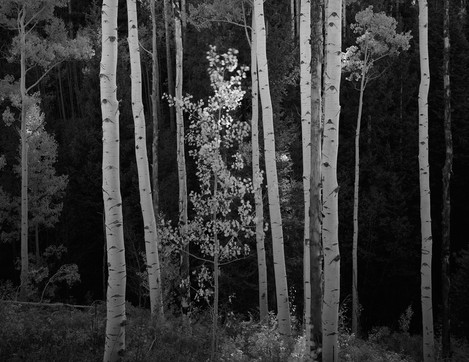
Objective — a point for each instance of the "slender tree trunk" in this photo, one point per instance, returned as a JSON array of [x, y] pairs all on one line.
[[424, 167], [447, 169], [355, 301], [271, 171], [181, 161], [24, 159], [257, 179], [315, 212], [36, 233], [305, 95], [330, 228], [216, 271], [115, 320], [292, 18], [141, 155], [156, 110], [169, 63]]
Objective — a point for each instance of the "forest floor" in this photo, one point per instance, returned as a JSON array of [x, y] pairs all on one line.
[[61, 333]]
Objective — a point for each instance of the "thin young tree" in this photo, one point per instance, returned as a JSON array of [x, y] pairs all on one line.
[[257, 180], [376, 39], [283, 308], [167, 9], [115, 317], [155, 106], [141, 155], [181, 158], [446, 212], [330, 227], [424, 177]]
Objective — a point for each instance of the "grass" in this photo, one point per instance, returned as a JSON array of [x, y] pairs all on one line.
[[32, 333]]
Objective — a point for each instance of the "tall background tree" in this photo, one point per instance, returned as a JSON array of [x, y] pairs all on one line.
[[424, 178]]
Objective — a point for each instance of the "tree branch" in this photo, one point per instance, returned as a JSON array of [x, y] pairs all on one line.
[[43, 75]]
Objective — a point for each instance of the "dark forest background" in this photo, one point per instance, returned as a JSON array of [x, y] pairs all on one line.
[[389, 235]]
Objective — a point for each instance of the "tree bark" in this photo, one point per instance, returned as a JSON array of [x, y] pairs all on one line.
[[257, 179], [330, 228], [305, 96], [169, 63], [315, 212], [156, 109], [141, 155], [355, 300], [24, 158], [447, 170], [424, 177], [271, 171], [181, 160], [115, 320]]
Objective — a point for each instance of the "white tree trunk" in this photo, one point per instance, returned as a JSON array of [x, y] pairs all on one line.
[[330, 228], [146, 200], [305, 96], [115, 319], [181, 158], [283, 308], [424, 176], [256, 179]]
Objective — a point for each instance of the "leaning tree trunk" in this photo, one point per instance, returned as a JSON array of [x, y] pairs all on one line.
[[305, 96], [424, 176], [181, 161], [141, 155], [316, 185], [257, 179], [283, 308], [447, 169], [330, 187], [115, 319]]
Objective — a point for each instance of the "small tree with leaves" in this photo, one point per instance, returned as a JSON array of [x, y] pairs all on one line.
[[223, 216], [377, 39]]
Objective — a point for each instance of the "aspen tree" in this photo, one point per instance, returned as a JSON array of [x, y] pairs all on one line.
[[283, 308], [115, 317], [330, 228], [169, 63], [141, 155], [315, 213], [23, 17], [155, 108], [305, 96], [181, 158], [424, 177], [257, 180], [376, 39], [446, 212]]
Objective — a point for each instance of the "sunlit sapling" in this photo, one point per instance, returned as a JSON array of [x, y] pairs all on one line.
[[223, 214], [377, 39]]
